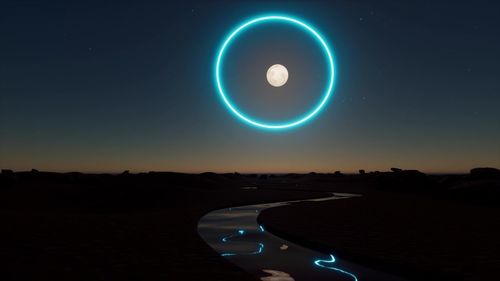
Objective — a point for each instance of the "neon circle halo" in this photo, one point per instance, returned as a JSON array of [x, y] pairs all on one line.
[[292, 123]]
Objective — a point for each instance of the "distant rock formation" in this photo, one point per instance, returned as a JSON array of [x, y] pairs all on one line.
[[7, 178], [404, 180], [338, 174], [7, 172], [485, 173]]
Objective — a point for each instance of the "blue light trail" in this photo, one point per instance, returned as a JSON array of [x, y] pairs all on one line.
[[242, 232], [332, 260]]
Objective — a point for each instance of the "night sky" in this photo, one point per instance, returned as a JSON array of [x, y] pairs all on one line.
[[107, 87]]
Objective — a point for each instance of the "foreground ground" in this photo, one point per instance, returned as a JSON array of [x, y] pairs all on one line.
[[419, 234], [144, 227], [127, 229]]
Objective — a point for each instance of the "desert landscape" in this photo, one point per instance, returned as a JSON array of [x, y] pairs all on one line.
[[62, 226]]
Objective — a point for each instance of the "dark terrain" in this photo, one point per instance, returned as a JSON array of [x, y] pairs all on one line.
[[421, 227], [125, 227], [77, 226]]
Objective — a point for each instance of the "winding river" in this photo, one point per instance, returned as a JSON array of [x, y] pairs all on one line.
[[236, 235]]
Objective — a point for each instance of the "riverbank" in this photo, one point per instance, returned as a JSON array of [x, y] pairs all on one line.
[[417, 235], [77, 226], [123, 227]]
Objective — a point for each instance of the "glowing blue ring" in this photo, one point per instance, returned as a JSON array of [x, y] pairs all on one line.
[[309, 115]]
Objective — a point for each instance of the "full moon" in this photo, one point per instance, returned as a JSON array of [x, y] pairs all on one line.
[[277, 75]]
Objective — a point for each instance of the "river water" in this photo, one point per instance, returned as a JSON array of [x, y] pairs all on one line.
[[236, 235]]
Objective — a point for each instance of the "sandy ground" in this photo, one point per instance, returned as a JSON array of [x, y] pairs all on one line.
[[72, 232], [416, 235], [144, 226]]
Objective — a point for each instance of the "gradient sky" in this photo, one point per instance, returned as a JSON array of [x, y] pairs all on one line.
[[111, 85]]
